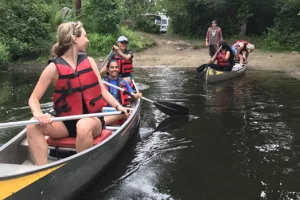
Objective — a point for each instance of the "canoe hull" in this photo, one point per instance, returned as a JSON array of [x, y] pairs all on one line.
[[213, 76], [64, 179]]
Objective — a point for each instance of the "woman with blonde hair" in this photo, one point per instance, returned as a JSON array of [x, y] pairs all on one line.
[[78, 90], [243, 47]]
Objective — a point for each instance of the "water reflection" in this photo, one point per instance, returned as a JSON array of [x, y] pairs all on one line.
[[241, 140]]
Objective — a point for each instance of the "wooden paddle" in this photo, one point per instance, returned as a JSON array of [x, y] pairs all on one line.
[[201, 68], [170, 109], [56, 119]]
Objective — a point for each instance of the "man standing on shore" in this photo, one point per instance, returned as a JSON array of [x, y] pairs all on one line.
[[213, 38]]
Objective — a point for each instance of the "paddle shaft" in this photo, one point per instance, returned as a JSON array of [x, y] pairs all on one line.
[[114, 86], [210, 61], [103, 63], [57, 119], [215, 54]]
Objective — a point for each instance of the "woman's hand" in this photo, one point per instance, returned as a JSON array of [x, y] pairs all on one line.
[[115, 48], [122, 109], [138, 95], [44, 119]]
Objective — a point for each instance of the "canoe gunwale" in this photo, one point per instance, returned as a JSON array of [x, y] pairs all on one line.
[[225, 75], [22, 135]]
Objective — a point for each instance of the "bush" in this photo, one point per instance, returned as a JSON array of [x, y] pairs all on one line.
[[4, 54], [279, 40], [137, 41], [146, 25], [101, 16], [285, 35], [23, 27], [100, 44]]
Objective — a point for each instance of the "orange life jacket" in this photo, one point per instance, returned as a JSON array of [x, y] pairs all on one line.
[[76, 90]]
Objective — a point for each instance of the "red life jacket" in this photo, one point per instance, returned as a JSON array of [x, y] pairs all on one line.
[[124, 97], [245, 44], [242, 41], [125, 66], [220, 61], [76, 92]]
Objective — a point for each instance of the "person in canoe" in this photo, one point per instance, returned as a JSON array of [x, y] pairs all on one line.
[[224, 58], [78, 90], [123, 98], [124, 58], [238, 55], [245, 48]]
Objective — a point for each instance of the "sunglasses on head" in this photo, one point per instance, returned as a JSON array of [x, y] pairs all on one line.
[[124, 42], [114, 67], [74, 27]]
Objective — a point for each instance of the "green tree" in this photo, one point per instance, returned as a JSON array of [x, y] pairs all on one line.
[[101, 16], [23, 27]]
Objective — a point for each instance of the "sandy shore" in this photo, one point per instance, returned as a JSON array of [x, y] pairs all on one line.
[[174, 52], [171, 52]]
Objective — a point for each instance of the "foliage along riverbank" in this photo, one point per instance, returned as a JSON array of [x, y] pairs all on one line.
[[28, 28]]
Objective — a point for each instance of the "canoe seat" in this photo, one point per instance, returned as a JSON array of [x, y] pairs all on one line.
[[70, 142]]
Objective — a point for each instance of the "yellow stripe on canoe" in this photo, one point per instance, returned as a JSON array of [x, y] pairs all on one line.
[[214, 72], [11, 186]]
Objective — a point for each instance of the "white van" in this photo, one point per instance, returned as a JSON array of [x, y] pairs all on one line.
[[164, 24], [160, 20]]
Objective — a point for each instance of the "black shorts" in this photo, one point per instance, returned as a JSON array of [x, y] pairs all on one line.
[[71, 126], [245, 47]]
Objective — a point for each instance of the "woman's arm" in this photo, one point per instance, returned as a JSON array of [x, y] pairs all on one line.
[[137, 95], [207, 37], [125, 56], [227, 56], [106, 95], [103, 70], [221, 35], [47, 76]]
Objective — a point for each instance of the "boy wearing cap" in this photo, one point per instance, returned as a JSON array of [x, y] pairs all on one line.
[[124, 58]]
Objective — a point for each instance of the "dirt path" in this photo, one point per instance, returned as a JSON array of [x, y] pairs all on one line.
[[174, 52]]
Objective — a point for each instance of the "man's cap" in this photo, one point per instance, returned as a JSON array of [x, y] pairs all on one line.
[[122, 39]]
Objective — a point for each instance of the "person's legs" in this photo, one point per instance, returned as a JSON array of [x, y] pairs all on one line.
[[37, 142], [87, 129], [212, 50], [227, 68], [216, 67], [111, 120], [241, 59], [247, 54]]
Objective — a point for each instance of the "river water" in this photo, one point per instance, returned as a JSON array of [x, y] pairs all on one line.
[[240, 141]]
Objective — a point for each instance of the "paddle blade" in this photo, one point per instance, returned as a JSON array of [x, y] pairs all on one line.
[[171, 123], [171, 109], [201, 68]]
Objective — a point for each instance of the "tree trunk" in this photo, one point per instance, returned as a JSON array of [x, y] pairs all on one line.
[[243, 28], [78, 7]]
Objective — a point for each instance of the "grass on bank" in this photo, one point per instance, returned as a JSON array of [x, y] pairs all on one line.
[[258, 41], [100, 45]]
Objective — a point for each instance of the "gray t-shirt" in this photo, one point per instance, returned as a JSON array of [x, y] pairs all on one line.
[[213, 36]]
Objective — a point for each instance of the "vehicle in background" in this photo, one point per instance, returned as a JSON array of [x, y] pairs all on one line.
[[160, 20]]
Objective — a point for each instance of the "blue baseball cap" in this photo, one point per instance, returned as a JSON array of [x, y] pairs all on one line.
[[122, 39]]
